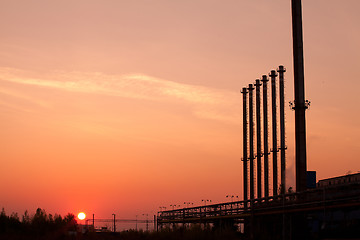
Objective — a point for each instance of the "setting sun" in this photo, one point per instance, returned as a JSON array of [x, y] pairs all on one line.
[[81, 216]]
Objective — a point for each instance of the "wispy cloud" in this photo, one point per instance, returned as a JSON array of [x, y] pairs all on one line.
[[13, 106], [206, 102], [18, 95]]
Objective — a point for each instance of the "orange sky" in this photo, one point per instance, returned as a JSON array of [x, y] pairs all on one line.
[[125, 106]]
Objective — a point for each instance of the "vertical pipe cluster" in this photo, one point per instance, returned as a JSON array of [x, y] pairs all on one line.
[[281, 71], [251, 139], [248, 120], [245, 175]]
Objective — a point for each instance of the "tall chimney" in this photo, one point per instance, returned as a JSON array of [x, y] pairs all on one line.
[[245, 175], [258, 137], [299, 90], [274, 130], [251, 139], [266, 144], [281, 71]]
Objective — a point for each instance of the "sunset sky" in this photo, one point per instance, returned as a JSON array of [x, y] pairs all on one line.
[[122, 106]]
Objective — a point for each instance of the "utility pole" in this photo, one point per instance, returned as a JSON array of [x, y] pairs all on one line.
[[114, 223]]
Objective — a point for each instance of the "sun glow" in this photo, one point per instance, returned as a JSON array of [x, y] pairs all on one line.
[[81, 216]]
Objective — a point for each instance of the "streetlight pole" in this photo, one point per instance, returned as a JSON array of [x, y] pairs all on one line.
[[188, 203], [205, 200], [232, 197], [174, 206]]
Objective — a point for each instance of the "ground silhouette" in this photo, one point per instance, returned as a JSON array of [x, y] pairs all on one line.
[[43, 226]]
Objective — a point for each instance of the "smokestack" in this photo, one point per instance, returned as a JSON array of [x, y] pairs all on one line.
[[299, 90], [281, 71], [266, 144], [245, 177], [274, 130], [251, 139], [258, 137]]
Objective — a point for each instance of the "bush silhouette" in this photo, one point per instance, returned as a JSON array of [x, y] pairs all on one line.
[[39, 226]]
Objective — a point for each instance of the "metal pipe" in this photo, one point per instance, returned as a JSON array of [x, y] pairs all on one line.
[[299, 91], [266, 144], [281, 71], [251, 140], [274, 130], [245, 175], [258, 137]]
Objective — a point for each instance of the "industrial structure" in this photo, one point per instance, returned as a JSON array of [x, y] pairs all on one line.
[[248, 121], [315, 209], [332, 210]]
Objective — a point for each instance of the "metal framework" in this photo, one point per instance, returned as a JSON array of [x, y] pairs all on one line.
[[335, 197]]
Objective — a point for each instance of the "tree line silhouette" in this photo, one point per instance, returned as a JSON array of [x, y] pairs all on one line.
[[37, 226], [43, 226]]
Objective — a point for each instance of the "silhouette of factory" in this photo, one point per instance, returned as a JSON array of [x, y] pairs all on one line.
[[329, 208]]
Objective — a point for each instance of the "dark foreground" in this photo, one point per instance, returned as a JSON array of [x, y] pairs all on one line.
[[43, 226], [192, 234]]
